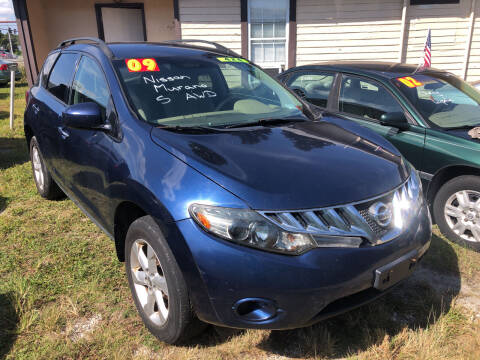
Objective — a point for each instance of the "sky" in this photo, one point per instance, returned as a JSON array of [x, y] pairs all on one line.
[[6, 10]]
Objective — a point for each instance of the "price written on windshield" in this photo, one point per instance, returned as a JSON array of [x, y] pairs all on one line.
[[141, 65], [410, 81]]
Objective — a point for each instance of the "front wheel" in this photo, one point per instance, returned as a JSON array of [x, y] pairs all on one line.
[[157, 284], [456, 209]]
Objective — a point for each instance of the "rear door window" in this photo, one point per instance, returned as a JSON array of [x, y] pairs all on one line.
[[313, 86], [90, 85], [61, 76], [366, 99], [47, 66]]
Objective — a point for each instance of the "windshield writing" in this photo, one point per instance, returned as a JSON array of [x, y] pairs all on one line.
[[205, 92]]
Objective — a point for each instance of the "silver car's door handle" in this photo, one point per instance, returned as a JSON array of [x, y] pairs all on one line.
[[36, 109], [63, 133]]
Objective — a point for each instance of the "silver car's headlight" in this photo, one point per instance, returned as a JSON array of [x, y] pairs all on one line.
[[249, 228]]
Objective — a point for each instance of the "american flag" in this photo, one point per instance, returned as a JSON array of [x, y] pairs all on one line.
[[427, 52]]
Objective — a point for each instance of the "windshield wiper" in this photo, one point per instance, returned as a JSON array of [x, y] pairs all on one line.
[[195, 128], [265, 121]]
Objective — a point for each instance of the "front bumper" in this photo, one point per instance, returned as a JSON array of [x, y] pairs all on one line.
[[303, 289]]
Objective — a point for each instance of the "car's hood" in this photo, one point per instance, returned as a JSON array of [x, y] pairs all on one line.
[[295, 166]]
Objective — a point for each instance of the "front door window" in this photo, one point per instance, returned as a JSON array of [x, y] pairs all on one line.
[[366, 99]]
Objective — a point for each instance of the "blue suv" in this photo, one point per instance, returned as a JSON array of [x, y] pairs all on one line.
[[229, 199]]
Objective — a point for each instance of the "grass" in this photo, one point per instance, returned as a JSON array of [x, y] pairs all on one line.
[[64, 295]]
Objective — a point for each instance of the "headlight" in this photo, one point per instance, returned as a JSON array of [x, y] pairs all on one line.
[[407, 201], [249, 228]]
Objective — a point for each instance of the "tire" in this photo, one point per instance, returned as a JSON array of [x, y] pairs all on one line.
[[46, 186], [160, 293], [455, 212]]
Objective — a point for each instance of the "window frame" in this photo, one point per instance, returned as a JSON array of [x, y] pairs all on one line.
[[71, 76], [270, 65], [99, 16], [336, 100]]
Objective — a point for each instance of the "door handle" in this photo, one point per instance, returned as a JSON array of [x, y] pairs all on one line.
[[63, 133], [36, 109]]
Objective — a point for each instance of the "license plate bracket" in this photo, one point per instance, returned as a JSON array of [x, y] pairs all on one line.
[[391, 273]]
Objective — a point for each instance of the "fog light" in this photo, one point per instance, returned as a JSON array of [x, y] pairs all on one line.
[[255, 309]]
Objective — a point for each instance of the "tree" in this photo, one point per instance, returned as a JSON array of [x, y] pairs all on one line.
[[4, 41]]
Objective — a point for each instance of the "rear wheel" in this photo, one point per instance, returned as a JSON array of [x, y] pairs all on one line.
[[157, 284], [456, 210], [46, 186]]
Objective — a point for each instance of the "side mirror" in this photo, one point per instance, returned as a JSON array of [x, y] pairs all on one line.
[[395, 119], [84, 116]]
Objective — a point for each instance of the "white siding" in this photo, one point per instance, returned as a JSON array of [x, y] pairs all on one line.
[[212, 20], [473, 73], [348, 30], [449, 26]]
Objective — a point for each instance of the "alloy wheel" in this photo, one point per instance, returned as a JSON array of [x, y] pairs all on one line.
[[38, 168], [149, 281], [462, 213]]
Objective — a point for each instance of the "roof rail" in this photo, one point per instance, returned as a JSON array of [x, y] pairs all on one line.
[[217, 46], [101, 44]]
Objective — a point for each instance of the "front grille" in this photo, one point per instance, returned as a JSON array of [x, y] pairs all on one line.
[[353, 220], [377, 229]]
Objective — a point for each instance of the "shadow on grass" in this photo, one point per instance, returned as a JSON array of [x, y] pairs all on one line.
[[13, 151], [3, 203], [413, 304], [8, 323]]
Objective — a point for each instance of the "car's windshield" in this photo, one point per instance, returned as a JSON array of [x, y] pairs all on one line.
[[203, 91], [442, 99]]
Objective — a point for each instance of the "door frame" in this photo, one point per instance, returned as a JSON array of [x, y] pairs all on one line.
[[98, 13]]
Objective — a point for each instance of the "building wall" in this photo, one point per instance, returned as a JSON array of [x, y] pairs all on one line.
[[473, 73], [213, 20], [348, 30], [370, 30], [52, 21], [449, 25], [327, 30]]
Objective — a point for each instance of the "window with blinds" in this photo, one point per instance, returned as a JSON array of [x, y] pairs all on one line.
[[268, 32]]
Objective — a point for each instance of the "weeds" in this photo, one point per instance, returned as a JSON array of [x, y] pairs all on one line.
[[64, 295]]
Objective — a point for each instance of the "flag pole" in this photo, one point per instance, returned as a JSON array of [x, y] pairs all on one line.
[[422, 64]]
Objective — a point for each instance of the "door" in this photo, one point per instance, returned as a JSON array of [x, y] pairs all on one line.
[[35, 113], [365, 101], [121, 22], [51, 100], [86, 153], [313, 86]]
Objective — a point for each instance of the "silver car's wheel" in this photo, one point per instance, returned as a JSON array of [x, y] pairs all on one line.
[[38, 168], [149, 281], [462, 214]]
